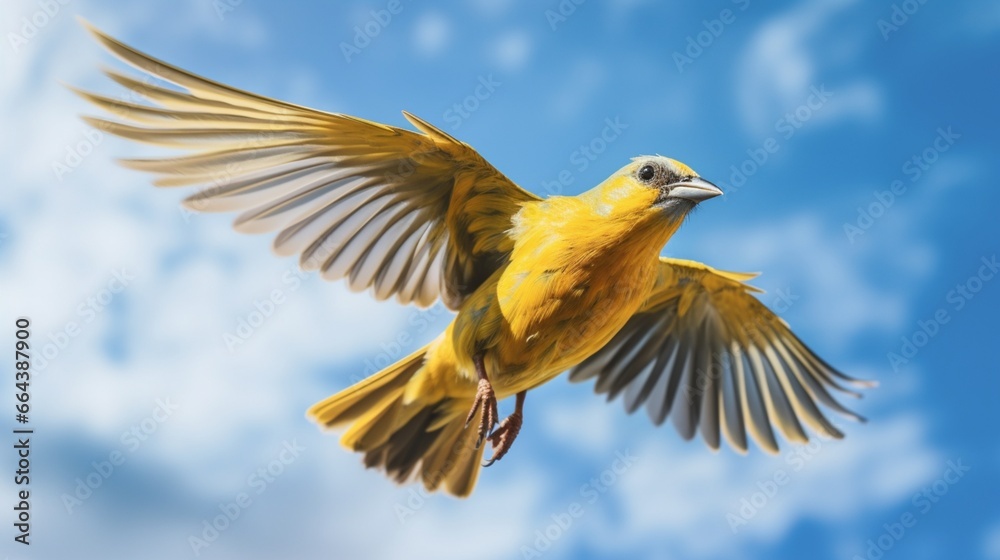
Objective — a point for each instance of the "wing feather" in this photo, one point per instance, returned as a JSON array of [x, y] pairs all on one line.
[[706, 353], [332, 186], [734, 427]]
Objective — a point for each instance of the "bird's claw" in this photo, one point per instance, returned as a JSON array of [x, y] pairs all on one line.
[[503, 437], [487, 399]]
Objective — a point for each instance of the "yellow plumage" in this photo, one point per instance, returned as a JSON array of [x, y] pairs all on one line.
[[538, 286]]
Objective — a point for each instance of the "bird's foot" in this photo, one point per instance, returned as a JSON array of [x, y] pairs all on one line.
[[487, 399], [503, 437]]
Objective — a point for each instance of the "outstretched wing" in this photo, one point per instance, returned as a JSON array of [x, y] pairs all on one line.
[[418, 215], [704, 351]]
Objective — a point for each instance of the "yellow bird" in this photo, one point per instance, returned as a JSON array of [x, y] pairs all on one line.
[[538, 286]]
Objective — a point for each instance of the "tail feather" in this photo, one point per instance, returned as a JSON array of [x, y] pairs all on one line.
[[367, 394], [377, 425], [454, 460], [404, 449], [421, 439]]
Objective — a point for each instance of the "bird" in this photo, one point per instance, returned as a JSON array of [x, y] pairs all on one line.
[[538, 286]]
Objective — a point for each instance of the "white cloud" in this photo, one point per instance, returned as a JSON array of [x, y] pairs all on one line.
[[991, 542], [513, 50], [814, 262], [689, 492], [861, 98], [784, 59], [431, 34], [588, 426]]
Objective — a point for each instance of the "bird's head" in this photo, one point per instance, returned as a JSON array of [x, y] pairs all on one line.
[[655, 188]]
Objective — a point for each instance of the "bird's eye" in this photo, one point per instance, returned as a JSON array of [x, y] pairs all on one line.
[[647, 173]]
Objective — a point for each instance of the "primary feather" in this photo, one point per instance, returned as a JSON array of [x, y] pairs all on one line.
[[415, 215], [705, 352]]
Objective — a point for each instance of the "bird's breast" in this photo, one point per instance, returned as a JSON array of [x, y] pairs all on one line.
[[560, 300]]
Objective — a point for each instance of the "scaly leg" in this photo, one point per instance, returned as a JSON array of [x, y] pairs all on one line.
[[486, 398], [503, 437]]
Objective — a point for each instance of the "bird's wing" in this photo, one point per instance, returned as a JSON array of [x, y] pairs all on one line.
[[418, 215], [704, 351]]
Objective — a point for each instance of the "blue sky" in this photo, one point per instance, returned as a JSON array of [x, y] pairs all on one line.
[[856, 142]]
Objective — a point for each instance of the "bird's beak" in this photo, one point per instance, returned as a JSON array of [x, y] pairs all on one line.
[[694, 189]]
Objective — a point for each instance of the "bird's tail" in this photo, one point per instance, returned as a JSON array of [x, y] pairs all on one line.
[[426, 439]]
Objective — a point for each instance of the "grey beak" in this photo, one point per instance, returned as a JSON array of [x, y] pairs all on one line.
[[694, 189]]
